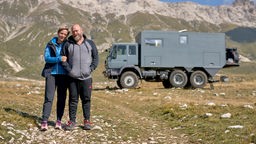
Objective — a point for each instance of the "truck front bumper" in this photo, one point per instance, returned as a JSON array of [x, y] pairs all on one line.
[[111, 73]]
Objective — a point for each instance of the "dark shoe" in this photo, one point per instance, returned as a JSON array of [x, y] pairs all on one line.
[[87, 125], [44, 126], [70, 126]]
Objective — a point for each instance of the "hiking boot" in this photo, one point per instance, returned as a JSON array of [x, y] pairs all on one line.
[[87, 125], [70, 126], [44, 126], [58, 125]]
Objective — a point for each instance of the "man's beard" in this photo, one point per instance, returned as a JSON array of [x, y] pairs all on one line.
[[78, 37]]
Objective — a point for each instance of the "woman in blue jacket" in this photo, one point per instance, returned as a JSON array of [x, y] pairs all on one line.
[[55, 78]]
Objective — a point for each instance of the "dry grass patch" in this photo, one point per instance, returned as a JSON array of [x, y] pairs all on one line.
[[147, 114]]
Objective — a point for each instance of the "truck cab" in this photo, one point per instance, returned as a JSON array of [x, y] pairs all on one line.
[[121, 55]]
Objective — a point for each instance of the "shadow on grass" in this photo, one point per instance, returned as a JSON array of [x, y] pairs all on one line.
[[107, 88], [211, 87], [36, 119]]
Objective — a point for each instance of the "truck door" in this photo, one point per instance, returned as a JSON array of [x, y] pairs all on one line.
[[119, 56], [132, 55]]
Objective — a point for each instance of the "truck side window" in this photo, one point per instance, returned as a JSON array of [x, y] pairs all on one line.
[[154, 42], [183, 39], [121, 50], [132, 50]]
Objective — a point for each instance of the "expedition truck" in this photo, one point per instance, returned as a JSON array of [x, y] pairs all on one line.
[[177, 59]]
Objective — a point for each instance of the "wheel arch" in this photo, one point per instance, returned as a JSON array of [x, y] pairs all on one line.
[[180, 68], [132, 68]]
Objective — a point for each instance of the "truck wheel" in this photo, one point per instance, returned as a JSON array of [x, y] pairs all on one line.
[[198, 79], [129, 80], [178, 79], [118, 82], [166, 84]]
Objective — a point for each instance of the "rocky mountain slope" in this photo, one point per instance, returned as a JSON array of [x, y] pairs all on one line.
[[27, 25], [241, 13]]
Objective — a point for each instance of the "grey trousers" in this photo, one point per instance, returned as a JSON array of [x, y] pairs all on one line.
[[53, 82]]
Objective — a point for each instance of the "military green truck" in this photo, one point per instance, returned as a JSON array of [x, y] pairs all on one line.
[[177, 59]]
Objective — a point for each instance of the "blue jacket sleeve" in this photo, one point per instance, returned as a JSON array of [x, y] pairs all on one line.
[[48, 58]]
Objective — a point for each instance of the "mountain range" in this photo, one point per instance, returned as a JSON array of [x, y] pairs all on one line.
[[27, 25]]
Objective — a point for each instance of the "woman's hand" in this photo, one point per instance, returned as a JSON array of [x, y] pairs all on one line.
[[63, 58]]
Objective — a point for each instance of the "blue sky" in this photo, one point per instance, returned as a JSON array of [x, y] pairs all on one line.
[[206, 2]]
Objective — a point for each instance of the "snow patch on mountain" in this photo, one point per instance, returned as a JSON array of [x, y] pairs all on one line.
[[12, 63]]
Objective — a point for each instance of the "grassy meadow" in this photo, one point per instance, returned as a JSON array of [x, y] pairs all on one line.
[[148, 114]]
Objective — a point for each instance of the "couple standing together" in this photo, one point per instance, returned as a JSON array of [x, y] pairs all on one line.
[[69, 64]]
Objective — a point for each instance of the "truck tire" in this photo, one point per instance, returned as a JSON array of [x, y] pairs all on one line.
[[118, 82], [178, 79], [198, 79], [166, 84], [129, 80]]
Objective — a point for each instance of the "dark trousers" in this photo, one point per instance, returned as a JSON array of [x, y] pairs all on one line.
[[53, 82], [84, 89]]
